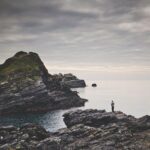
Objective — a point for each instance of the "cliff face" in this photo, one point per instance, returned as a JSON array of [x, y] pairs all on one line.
[[26, 86]]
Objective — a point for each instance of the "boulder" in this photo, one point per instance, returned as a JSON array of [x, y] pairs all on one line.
[[94, 85]]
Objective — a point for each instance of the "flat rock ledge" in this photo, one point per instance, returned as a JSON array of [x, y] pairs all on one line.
[[86, 130]]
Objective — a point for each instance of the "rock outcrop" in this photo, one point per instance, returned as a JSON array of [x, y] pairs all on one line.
[[26, 86], [26, 137], [87, 130], [94, 85], [95, 118], [71, 81]]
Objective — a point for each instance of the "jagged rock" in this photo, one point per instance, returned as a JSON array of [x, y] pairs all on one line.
[[101, 130], [71, 81], [109, 134], [26, 137], [26, 86]]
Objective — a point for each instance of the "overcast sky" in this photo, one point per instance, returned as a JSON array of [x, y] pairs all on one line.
[[78, 34]]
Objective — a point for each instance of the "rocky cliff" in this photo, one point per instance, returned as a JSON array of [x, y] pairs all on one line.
[[26, 86], [69, 80], [87, 130]]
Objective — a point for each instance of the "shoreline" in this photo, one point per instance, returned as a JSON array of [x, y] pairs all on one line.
[[88, 129]]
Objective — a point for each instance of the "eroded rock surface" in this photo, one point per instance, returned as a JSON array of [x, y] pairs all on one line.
[[95, 118], [23, 138], [101, 130], [112, 131]]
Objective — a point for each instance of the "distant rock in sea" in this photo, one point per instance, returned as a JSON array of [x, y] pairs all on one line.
[[94, 85], [86, 130], [26, 86]]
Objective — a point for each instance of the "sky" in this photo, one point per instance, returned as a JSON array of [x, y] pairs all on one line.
[[106, 38]]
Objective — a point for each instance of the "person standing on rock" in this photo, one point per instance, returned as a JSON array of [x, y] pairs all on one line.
[[112, 106]]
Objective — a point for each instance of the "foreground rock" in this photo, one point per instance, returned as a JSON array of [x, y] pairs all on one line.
[[71, 81], [26, 86], [26, 137], [95, 118], [87, 130]]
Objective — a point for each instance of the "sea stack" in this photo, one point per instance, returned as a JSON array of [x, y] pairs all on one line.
[[26, 86], [94, 85]]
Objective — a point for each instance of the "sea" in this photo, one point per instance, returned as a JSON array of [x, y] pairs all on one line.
[[130, 96]]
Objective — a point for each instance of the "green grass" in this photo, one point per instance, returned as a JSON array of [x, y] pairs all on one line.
[[26, 63]]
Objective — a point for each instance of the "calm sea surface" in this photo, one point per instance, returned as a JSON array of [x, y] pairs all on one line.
[[131, 97]]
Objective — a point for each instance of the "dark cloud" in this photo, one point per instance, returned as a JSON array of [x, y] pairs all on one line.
[[104, 31]]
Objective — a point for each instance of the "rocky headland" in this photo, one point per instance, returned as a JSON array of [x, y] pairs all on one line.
[[26, 86], [86, 130]]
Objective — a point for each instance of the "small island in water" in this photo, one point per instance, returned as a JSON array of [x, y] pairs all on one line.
[[27, 87]]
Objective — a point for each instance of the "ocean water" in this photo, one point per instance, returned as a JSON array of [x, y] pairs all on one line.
[[130, 96]]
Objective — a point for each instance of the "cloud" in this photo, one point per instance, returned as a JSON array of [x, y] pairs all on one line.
[[95, 31]]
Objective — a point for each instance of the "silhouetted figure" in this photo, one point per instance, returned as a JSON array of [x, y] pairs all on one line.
[[112, 106]]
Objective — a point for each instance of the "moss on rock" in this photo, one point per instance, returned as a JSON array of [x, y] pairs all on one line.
[[22, 62]]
